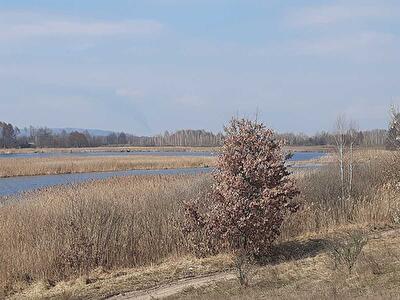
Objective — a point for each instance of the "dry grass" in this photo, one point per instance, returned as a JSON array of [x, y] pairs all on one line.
[[101, 283], [110, 149], [67, 233], [312, 275], [374, 200], [151, 149], [65, 165], [300, 269], [64, 232]]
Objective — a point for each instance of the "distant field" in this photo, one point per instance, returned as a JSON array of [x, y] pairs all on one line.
[[65, 165], [150, 149], [110, 149]]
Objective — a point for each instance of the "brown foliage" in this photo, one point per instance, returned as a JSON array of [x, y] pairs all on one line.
[[251, 195]]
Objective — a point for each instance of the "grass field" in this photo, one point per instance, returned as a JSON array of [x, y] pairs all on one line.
[[303, 269], [102, 237], [150, 149], [110, 149], [306, 270], [12, 167], [64, 232], [64, 165]]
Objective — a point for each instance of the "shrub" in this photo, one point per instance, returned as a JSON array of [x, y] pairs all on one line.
[[251, 194], [346, 253]]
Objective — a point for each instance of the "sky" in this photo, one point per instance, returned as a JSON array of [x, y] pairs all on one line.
[[148, 66]]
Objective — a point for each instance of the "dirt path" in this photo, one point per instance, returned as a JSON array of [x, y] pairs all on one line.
[[175, 287], [195, 282]]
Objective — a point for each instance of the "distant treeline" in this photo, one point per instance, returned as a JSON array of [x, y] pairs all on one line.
[[366, 138], [11, 137]]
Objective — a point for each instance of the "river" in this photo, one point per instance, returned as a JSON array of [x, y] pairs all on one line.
[[14, 185]]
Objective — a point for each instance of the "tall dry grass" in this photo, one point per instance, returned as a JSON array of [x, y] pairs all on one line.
[[110, 149], [64, 165], [68, 231], [374, 200]]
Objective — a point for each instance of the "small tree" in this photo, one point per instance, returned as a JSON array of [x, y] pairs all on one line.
[[77, 139], [252, 191], [393, 137], [346, 137], [122, 139]]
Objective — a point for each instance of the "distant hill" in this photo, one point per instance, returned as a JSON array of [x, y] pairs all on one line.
[[93, 132]]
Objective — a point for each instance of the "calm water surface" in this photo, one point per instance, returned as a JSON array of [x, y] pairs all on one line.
[[105, 153], [15, 185]]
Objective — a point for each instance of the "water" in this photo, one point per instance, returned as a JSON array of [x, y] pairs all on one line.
[[105, 153], [302, 156], [14, 185], [298, 156]]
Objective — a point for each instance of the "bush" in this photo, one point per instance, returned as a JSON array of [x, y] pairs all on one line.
[[251, 195], [346, 253]]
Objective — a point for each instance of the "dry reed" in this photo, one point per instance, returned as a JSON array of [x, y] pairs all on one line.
[[64, 232], [68, 231], [110, 149], [64, 165]]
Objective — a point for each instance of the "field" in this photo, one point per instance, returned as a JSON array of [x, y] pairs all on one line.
[[110, 149], [123, 222], [105, 237], [11, 167], [148, 149]]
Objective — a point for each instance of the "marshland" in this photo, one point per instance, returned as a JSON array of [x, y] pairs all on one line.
[[172, 149], [101, 238], [12, 167]]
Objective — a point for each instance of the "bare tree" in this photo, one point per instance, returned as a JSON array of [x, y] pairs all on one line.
[[352, 134], [346, 136], [393, 137], [340, 140]]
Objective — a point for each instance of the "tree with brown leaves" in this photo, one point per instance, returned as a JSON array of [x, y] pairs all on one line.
[[252, 192]]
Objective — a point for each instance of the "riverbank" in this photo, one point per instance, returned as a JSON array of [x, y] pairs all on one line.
[[109, 149], [31, 164], [13, 167], [150, 149]]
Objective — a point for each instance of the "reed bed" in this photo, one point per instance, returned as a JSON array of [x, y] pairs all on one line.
[[65, 232], [374, 200], [64, 165], [150, 149], [110, 149]]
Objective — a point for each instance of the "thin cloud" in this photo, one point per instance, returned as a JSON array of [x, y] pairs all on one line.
[[26, 25], [342, 12], [128, 92], [364, 42]]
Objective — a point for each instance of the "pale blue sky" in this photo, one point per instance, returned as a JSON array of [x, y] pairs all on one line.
[[153, 65]]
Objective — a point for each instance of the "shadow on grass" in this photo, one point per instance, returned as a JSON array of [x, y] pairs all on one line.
[[293, 250]]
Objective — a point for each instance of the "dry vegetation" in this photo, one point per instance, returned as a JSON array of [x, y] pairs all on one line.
[[375, 198], [69, 231], [306, 270], [64, 165], [150, 149], [110, 149], [60, 234]]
